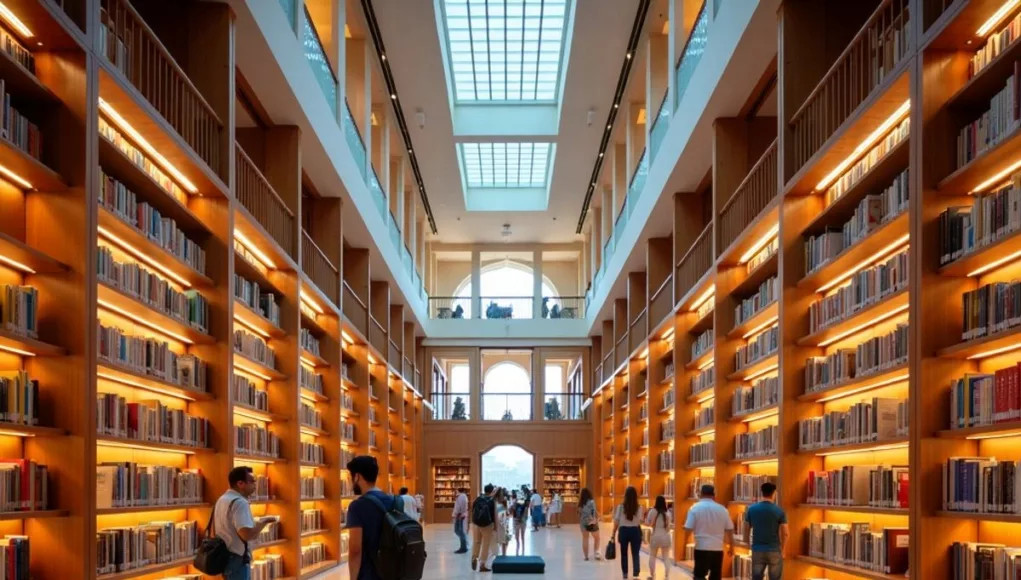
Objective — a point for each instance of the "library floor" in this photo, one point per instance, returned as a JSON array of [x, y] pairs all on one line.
[[560, 548]]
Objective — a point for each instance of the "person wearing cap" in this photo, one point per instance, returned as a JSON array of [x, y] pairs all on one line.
[[711, 524]]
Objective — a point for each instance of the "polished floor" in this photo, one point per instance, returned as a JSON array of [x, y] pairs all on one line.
[[560, 548]]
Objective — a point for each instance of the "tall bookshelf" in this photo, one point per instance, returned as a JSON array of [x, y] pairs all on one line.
[[449, 474]]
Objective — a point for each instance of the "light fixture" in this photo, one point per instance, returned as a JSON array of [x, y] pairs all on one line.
[[707, 363], [123, 124], [710, 292], [393, 96], [141, 445], [250, 459], [308, 301], [760, 415], [615, 105], [763, 372], [874, 258], [259, 255], [997, 16], [372, 360], [15, 178], [308, 395], [995, 351], [600, 154], [307, 362], [668, 334], [346, 337], [251, 327], [867, 142], [608, 127], [254, 414], [250, 371], [887, 382], [15, 433], [17, 265], [761, 327], [308, 431], [628, 56], [138, 385], [759, 244], [863, 326], [142, 256], [150, 325], [15, 22], [710, 394], [1012, 433], [979, 271], [16, 351], [382, 56], [878, 447], [757, 460]]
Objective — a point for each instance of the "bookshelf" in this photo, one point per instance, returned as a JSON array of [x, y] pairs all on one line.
[[448, 474], [564, 477]]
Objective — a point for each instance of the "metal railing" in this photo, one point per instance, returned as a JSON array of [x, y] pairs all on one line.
[[354, 138], [873, 53], [696, 262], [319, 268], [694, 48], [755, 192], [501, 307], [933, 9], [394, 355], [659, 126], [259, 198], [563, 407], [563, 307], [451, 406], [316, 57], [506, 406], [376, 191], [135, 50], [634, 191], [395, 232]]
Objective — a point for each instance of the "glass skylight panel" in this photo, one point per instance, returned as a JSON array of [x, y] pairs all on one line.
[[505, 165], [505, 50]]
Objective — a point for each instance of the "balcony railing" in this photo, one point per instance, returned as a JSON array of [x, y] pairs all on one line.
[[873, 53], [395, 232], [355, 310], [659, 126], [134, 49], [316, 57], [451, 406], [757, 191], [694, 48], [376, 191], [563, 307], [500, 307], [354, 139], [661, 303], [450, 307], [506, 406], [563, 407], [319, 268], [377, 335], [258, 197], [637, 186], [933, 9], [696, 262]]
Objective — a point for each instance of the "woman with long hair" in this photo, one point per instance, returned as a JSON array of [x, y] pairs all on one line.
[[519, 518], [555, 507], [627, 527], [659, 520], [502, 537], [589, 523]]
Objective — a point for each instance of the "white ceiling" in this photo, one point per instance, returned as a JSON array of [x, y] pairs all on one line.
[[414, 50]]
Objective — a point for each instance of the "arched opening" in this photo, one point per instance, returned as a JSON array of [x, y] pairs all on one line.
[[508, 466], [507, 393], [511, 282]]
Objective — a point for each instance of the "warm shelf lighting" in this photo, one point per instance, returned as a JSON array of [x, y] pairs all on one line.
[[706, 364], [307, 362], [863, 326], [259, 255], [243, 460], [16, 351], [754, 416], [995, 351], [372, 360], [307, 394], [760, 243], [1000, 177], [345, 337], [15, 433], [15, 177], [874, 258], [887, 382], [996, 264], [865, 144], [142, 446], [308, 301], [878, 447], [251, 414], [700, 400], [709, 293], [144, 145], [755, 461], [761, 327], [142, 256], [253, 372], [15, 22], [138, 385], [244, 323], [997, 16], [145, 323], [763, 372], [16, 265], [668, 334], [308, 431], [1003, 435], [644, 353]]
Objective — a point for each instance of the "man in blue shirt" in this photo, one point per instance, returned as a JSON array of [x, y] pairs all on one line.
[[767, 525], [364, 520]]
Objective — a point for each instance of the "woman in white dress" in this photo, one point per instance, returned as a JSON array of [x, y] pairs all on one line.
[[555, 507]]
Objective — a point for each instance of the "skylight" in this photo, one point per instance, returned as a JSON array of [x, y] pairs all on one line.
[[505, 50], [505, 165]]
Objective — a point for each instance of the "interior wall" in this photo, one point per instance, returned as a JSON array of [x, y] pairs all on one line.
[[450, 273]]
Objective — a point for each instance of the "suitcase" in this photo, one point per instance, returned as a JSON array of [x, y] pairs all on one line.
[[519, 565]]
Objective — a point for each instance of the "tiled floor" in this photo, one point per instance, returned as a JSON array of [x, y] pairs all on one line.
[[560, 548]]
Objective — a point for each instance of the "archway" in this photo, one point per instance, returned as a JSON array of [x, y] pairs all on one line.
[[508, 466], [509, 280]]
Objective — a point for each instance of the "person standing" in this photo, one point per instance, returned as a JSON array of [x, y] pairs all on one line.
[[484, 520], [519, 512], [502, 517], [710, 522], [555, 507], [460, 516], [767, 525], [233, 522], [627, 527], [410, 505], [364, 520], [535, 503], [659, 519], [589, 521]]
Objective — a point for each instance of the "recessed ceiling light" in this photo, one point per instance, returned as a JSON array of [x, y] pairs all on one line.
[[393, 96], [615, 105], [608, 126], [600, 153], [383, 56], [629, 55]]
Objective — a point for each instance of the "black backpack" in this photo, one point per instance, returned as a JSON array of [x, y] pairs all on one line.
[[212, 556], [401, 554], [482, 511]]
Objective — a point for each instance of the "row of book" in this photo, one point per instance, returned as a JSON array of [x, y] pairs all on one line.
[[982, 485], [978, 399], [703, 380], [668, 399], [765, 295], [129, 484], [666, 430], [664, 461], [270, 533], [19, 398], [16, 50], [991, 309], [311, 520], [984, 561], [704, 416], [857, 545], [761, 443], [876, 486], [762, 393], [995, 44], [347, 431], [17, 128], [254, 347], [871, 356], [865, 288], [643, 465], [263, 489], [312, 554], [189, 307], [702, 452], [308, 341], [993, 125], [252, 295], [313, 487], [254, 439], [347, 402], [150, 421], [991, 217], [668, 370], [748, 486], [309, 416], [312, 453], [248, 394], [24, 485], [19, 308], [15, 558], [268, 567], [695, 489], [310, 380], [127, 548], [162, 231], [150, 357], [863, 166], [875, 419], [767, 252], [702, 344], [763, 345]]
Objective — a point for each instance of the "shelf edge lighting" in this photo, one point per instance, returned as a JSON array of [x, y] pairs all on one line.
[[139, 140], [890, 249], [140, 255], [16, 265], [259, 255], [16, 178], [997, 16], [16, 351], [873, 386], [14, 21], [759, 244], [865, 144], [995, 264]]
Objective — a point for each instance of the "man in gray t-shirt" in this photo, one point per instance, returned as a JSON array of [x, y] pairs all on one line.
[[233, 522]]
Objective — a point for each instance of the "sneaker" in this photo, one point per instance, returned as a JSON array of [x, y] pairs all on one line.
[[484, 569], [461, 551], [475, 563]]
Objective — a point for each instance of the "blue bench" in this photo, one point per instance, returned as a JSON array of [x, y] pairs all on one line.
[[519, 565]]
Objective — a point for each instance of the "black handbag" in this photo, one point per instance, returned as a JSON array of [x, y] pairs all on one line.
[[611, 550], [212, 556]]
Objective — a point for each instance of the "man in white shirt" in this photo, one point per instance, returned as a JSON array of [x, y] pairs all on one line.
[[233, 522], [461, 520], [535, 502], [410, 504], [710, 522]]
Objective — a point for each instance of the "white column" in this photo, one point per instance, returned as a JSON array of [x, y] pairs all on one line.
[[536, 284], [476, 284]]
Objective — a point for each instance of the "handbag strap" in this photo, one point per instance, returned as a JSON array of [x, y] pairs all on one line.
[[212, 515]]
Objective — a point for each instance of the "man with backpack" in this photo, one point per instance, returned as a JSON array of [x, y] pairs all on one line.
[[484, 520], [383, 542]]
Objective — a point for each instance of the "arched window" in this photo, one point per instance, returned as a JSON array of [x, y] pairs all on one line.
[[507, 284], [507, 393], [509, 467]]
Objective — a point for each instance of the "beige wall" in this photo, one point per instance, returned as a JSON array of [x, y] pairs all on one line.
[[450, 274]]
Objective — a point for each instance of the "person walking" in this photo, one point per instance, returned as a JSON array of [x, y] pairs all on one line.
[[710, 522], [502, 522], [535, 503], [627, 527], [234, 524], [589, 522], [767, 525], [364, 520], [484, 520], [660, 521], [555, 507], [410, 505], [460, 516], [519, 513]]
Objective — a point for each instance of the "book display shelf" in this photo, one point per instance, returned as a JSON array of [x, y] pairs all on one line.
[[199, 325], [448, 475]]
